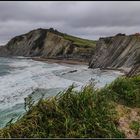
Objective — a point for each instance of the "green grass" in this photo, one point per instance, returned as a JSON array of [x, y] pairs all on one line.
[[80, 42], [135, 125], [89, 113], [126, 91], [70, 114]]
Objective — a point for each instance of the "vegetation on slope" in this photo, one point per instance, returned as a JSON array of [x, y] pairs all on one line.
[[126, 91], [80, 42], [88, 113], [135, 126]]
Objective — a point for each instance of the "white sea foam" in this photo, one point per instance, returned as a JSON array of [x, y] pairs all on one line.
[[31, 75], [27, 75]]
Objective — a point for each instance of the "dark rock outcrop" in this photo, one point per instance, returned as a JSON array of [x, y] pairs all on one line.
[[4, 51], [120, 51], [135, 70]]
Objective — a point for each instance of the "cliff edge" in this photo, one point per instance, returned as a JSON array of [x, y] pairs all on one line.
[[120, 51]]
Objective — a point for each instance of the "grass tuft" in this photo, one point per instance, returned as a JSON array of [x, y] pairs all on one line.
[[126, 91]]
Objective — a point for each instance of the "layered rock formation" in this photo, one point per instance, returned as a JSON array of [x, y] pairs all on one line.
[[48, 43], [120, 51]]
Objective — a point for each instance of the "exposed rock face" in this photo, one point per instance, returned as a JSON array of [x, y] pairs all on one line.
[[45, 43], [4, 51], [29, 44], [120, 51], [135, 70]]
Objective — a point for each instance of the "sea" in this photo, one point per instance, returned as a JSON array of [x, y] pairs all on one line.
[[21, 77]]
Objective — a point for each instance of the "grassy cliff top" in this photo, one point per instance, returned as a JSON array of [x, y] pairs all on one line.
[[80, 41]]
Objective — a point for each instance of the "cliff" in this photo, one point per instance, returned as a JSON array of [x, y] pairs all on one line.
[[48, 43], [135, 70], [120, 51]]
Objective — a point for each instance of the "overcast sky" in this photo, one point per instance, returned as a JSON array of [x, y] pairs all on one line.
[[84, 19]]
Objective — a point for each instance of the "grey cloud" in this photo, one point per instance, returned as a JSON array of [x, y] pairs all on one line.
[[84, 19], [109, 14]]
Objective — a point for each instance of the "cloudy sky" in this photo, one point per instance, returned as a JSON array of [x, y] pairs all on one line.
[[84, 19]]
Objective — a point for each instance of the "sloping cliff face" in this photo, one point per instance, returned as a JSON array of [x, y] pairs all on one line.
[[24, 45], [4, 51], [120, 51], [48, 43], [135, 70]]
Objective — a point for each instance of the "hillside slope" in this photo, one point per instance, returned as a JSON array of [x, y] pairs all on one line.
[[48, 43]]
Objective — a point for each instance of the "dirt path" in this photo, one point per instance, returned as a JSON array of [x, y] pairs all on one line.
[[127, 117]]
